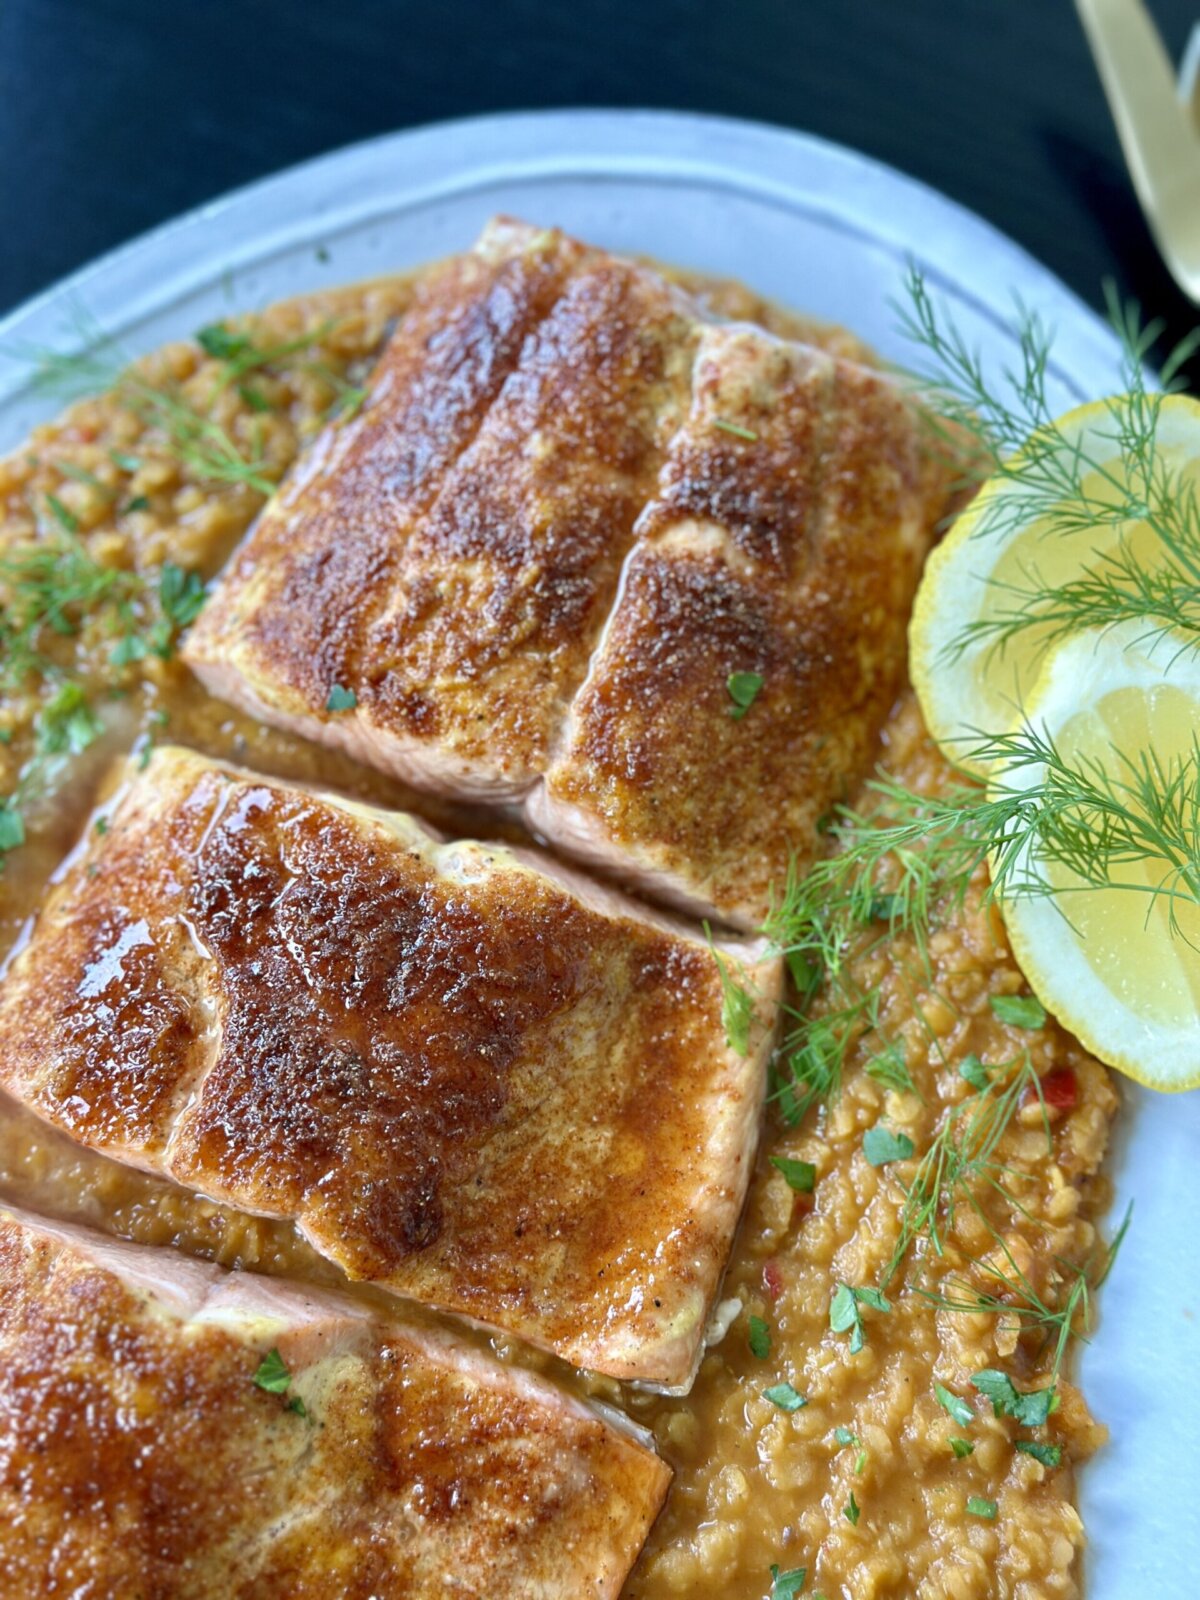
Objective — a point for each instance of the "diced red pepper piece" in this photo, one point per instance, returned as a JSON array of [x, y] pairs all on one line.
[[1060, 1091], [772, 1279]]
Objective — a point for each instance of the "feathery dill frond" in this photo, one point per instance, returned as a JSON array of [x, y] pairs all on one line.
[[1069, 482]]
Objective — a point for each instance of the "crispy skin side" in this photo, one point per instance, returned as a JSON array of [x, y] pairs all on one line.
[[469, 1078], [452, 556], [137, 1456], [793, 554]]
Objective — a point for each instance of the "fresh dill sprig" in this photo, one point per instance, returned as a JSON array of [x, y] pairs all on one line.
[[54, 588], [910, 861], [67, 724], [241, 354], [1014, 1294], [908, 864], [191, 434], [1070, 483], [960, 1157], [194, 438], [962, 1167], [51, 586], [890, 1068]]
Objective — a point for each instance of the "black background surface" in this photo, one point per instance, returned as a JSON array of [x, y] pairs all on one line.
[[116, 114]]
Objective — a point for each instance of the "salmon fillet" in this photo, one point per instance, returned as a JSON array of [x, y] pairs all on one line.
[[574, 505], [469, 1075], [138, 1457], [789, 549], [451, 555]]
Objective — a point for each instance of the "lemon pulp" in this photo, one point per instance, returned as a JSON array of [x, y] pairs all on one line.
[[1119, 965], [1143, 947]]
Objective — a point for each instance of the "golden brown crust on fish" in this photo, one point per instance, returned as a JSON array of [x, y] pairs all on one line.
[[452, 555], [576, 503], [469, 1079], [503, 590], [789, 549], [138, 1456], [300, 593]]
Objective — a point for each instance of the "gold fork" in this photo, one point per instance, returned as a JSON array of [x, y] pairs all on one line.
[[1189, 77], [1158, 124]]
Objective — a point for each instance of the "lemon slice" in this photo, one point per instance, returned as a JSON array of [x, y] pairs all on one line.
[[968, 682], [1118, 966]]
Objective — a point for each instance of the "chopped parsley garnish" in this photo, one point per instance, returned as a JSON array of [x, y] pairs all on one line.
[[129, 648], [127, 463], [222, 343], [736, 429], [845, 1315], [851, 1510], [101, 825], [954, 1405], [787, 1585], [737, 1003], [12, 827], [801, 1175], [1030, 1409], [880, 1145], [846, 1436], [1050, 1455], [744, 688], [181, 594], [341, 699], [785, 1397], [737, 1011], [760, 1338], [66, 724], [273, 1374], [140, 502], [1019, 1010], [975, 1073], [977, 1506], [961, 1448]]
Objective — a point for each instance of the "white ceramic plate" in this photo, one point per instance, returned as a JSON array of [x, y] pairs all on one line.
[[826, 231]]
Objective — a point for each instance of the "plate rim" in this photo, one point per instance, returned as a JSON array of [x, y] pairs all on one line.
[[959, 250], [609, 141]]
